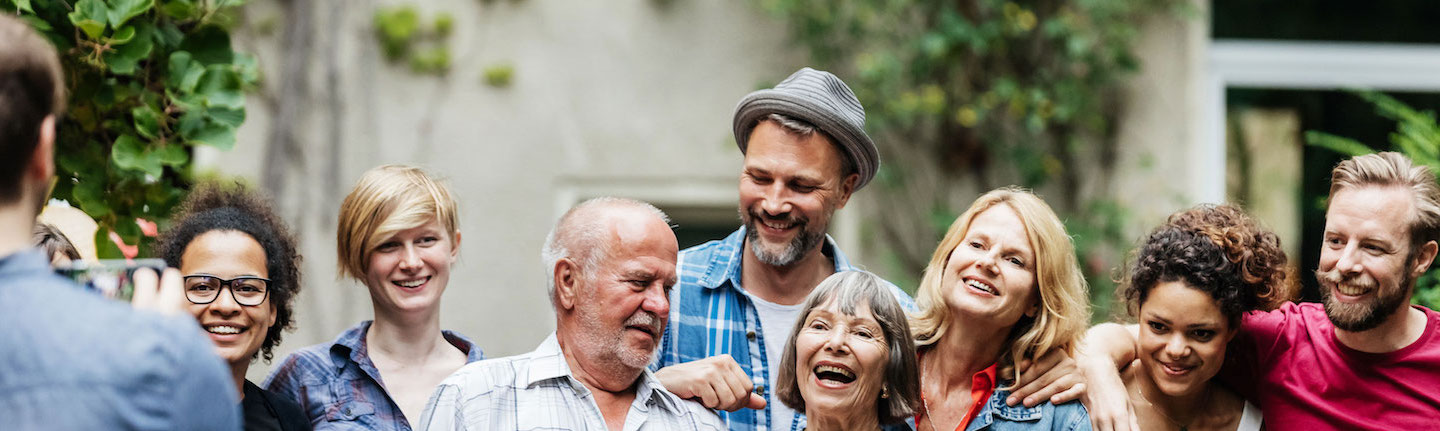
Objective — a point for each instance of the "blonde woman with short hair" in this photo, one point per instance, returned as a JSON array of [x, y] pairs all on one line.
[[1003, 287], [398, 234]]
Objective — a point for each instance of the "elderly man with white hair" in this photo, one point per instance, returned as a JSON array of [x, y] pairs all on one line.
[[610, 264]]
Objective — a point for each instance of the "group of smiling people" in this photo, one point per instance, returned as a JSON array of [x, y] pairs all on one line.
[[1002, 288], [650, 337], [996, 338]]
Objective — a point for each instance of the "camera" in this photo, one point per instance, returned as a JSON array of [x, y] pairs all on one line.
[[110, 278]]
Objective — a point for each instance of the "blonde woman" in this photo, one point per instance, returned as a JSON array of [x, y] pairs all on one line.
[[1003, 287], [398, 235]]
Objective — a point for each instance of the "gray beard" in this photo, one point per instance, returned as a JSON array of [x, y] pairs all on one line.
[[796, 249], [612, 346]]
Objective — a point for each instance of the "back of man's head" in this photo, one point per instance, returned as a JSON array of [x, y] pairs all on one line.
[[31, 88]]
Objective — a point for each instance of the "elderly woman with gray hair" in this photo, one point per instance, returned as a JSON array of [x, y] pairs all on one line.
[[850, 364]]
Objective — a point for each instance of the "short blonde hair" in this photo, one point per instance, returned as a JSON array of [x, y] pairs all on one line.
[[1391, 169], [389, 199], [1064, 301]]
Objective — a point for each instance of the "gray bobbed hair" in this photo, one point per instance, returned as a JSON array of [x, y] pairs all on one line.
[[850, 290]]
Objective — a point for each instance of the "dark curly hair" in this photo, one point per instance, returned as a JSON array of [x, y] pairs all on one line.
[[214, 206], [1219, 250]]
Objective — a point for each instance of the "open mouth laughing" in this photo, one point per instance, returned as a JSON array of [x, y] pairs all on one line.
[[833, 375]]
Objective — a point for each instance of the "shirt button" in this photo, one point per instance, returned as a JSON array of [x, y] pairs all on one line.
[[760, 390], [750, 335]]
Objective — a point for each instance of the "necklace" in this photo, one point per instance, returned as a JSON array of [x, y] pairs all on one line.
[[929, 414], [930, 417], [1157, 409]]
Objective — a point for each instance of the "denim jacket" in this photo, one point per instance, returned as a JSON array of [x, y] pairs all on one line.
[[996, 416]]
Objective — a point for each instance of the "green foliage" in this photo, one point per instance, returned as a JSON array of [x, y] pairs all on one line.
[[147, 80], [987, 93], [499, 75], [1417, 136], [404, 39]]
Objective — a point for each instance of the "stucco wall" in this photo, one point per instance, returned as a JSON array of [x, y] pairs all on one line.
[[628, 97]]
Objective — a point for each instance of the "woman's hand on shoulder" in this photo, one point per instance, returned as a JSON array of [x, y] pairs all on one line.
[[1054, 377], [1108, 348]]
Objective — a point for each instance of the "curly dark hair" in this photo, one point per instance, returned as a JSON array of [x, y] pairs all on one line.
[[214, 206], [1219, 250]]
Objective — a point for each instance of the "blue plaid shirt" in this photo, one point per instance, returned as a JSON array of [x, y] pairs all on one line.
[[338, 386], [710, 314]]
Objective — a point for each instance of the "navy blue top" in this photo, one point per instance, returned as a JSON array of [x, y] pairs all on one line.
[[73, 360]]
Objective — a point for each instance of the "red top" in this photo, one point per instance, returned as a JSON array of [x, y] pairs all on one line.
[[982, 385], [1290, 364]]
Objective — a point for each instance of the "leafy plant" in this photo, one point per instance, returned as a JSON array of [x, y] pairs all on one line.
[[1417, 136], [965, 96], [148, 80], [400, 31]]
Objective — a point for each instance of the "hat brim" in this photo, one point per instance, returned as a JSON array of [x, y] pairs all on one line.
[[852, 140]]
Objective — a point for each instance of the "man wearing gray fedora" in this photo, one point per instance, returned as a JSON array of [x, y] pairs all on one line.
[[805, 152]]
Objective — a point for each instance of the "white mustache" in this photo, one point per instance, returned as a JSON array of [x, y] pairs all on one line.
[[646, 320]]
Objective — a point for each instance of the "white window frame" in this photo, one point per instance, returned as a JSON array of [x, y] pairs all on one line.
[[1294, 65]]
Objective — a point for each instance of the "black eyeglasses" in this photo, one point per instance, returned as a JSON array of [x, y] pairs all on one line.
[[245, 290]]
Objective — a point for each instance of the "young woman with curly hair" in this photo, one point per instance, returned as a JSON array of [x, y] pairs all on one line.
[[241, 274], [1190, 282]]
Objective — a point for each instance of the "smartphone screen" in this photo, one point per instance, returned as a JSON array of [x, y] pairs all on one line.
[[110, 278]]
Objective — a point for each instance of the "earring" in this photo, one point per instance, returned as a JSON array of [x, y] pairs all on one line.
[[884, 392]]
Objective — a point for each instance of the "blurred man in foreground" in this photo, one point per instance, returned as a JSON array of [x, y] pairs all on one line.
[[70, 359]]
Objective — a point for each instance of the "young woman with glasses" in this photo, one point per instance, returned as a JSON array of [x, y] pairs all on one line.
[[241, 274]]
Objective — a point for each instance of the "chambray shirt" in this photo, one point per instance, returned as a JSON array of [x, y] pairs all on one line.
[[536, 391], [73, 360], [710, 314], [998, 416], [338, 386]]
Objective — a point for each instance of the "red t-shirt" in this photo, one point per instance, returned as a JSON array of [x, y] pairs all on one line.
[[1290, 364]]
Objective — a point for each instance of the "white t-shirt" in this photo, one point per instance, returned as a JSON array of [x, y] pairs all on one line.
[[776, 321]]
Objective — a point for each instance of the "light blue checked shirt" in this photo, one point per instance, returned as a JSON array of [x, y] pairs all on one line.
[[536, 391], [710, 314]]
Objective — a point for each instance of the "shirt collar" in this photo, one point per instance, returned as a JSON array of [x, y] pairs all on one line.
[[547, 362], [351, 345], [725, 259]]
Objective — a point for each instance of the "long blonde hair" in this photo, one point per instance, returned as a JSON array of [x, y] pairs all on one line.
[[1064, 302]]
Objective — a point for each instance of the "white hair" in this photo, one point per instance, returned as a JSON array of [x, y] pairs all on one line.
[[581, 235]]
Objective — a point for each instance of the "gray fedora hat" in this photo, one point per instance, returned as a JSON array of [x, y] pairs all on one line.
[[819, 98]]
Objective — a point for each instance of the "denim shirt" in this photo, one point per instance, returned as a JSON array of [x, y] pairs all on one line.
[[997, 416], [73, 360], [338, 386]]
